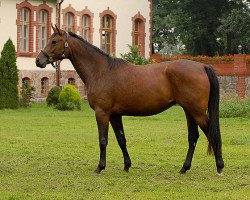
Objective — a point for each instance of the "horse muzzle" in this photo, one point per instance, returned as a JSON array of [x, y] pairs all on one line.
[[39, 64]]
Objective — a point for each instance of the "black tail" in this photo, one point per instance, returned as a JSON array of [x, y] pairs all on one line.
[[214, 136]]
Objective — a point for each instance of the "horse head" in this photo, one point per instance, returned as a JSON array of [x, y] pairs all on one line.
[[56, 48]]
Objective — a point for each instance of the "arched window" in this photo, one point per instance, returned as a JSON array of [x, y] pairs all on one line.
[[42, 29], [26, 80], [138, 33], [86, 27], [44, 85], [86, 24], [24, 29], [108, 31], [71, 81], [107, 34], [136, 40], [70, 22]]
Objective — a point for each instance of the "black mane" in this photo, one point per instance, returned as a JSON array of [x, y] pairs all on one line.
[[113, 62]]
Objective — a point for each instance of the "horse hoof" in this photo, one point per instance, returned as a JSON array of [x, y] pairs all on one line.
[[220, 174], [97, 171], [126, 169], [182, 171]]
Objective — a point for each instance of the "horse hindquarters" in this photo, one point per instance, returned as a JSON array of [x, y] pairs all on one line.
[[210, 123], [196, 90]]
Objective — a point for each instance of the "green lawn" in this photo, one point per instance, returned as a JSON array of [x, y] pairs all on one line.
[[50, 154]]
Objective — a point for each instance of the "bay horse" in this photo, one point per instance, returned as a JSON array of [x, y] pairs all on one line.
[[116, 88]]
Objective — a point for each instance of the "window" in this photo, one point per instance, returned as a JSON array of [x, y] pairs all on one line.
[[107, 25], [32, 27], [24, 29], [69, 22], [86, 24], [108, 31], [71, 81], [42, 29], [26, 80], [44, 85], [86, 27], [138, 33]]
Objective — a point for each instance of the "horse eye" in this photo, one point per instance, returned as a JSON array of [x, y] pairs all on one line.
[[54, 42]]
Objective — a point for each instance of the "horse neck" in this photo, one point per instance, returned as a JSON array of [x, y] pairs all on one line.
[[88, 63]]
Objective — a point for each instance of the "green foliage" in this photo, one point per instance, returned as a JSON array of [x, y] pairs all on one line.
[[53, 96], [134, 56], [204, 27], [8, 77], [235, 30], [235, 108], [69, 99], [26, 94]]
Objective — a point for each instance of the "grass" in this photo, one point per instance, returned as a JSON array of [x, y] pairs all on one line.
[[235, 107], [50, 154]]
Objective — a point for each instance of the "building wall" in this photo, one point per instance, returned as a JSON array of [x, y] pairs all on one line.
[[8, 15], [124, 11]]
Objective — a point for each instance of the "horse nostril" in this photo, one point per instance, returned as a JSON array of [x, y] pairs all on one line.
[[37, 62]]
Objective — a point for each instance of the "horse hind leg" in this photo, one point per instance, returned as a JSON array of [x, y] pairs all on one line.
[[214, 142], [193, 135]]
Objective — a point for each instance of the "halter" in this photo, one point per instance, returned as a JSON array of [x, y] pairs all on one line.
[[50, 58]]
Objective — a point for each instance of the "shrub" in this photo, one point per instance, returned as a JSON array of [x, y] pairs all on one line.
[[26, 94], [235, 108], [53, 96], [8, 77], [134, 56], [69, 99]]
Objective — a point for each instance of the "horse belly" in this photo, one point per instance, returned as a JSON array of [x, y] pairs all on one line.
[[145, 103], [150, 109]]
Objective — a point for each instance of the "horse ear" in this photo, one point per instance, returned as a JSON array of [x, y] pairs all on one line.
[[54, 29], [58, 30]]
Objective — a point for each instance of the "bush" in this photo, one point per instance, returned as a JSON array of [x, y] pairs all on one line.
[[8, 77], [134, 56], [53, 96], [69, 99], [235, 108], [26, 94]]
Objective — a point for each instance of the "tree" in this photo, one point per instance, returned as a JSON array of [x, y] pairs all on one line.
[[235, 30], [194, 23], [26, 94], [8, 77], [163, 28]]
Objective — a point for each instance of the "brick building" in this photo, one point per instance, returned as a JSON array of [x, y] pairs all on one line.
[[109, 25]]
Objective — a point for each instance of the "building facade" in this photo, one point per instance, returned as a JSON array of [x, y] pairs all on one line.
[[108, 24]]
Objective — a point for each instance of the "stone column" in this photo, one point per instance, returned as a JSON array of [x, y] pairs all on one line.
[[240, 67]]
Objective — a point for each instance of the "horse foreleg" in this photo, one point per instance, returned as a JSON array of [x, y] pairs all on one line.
[[193, 135], [116, 122], [102, 120]]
